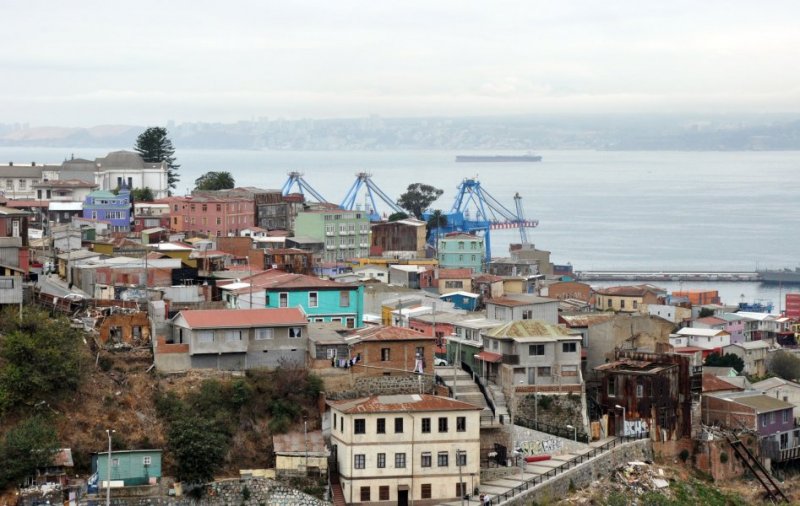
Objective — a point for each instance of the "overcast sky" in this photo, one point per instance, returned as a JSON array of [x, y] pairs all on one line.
[[82, 62]]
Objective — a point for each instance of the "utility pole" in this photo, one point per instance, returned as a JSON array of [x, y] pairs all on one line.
[[108, 482]]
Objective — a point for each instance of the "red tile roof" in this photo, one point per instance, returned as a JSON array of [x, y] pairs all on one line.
[[711, 320], [219, 318], [381, 333], [401, 403], [455, 273], [488, 356]]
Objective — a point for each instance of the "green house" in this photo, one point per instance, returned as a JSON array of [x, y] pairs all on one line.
[[134, 467]]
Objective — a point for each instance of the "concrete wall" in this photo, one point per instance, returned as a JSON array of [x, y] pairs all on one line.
[[584, 474]]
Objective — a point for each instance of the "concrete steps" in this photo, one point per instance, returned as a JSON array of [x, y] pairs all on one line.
[[462, 385]]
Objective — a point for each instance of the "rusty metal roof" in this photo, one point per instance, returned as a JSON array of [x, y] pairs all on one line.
[[401, 403], [529, 328]]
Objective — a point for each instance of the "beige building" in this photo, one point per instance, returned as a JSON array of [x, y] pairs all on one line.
[[405, 449], [627, 299]]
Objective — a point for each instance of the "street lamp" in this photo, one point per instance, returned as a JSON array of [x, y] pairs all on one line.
[[305, 439], [623, 417], [108, 482], [574, 432]]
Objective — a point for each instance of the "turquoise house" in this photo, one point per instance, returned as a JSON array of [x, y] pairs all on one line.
[[134, 467]]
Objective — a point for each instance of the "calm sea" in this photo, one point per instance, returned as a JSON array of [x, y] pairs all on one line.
[[596, 209]]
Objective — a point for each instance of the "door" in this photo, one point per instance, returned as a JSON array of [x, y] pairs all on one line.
[[402, 498]]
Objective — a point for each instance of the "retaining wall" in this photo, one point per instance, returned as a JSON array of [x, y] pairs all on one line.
[[584, 474]]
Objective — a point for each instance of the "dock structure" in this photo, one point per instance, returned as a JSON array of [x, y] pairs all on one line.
[[732, 276]]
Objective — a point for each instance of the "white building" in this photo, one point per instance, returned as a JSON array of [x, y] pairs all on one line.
[[753, 354], [127, 167], [405, 449], [707, 339]]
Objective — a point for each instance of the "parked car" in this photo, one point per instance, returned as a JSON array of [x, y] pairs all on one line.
[[439, 361]]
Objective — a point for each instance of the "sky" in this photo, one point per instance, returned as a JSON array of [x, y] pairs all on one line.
[[87, 62]]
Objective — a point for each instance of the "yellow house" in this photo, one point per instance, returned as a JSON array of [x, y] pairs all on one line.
[[298, 453], [626, 299]]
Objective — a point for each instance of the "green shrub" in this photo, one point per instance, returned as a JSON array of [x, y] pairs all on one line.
[[684, 455]]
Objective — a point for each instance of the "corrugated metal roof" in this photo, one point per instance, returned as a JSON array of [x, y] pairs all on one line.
[[221, 318], [529, 328], [381, 333], [586, 319], [401, 403]]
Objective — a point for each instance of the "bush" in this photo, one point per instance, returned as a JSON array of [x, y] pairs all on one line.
[[684, 455], [785, 365], [104, 363], [723, 457], [26, 447], [545, 401]]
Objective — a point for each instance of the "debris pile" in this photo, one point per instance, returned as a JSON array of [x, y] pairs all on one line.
[[632, 481]]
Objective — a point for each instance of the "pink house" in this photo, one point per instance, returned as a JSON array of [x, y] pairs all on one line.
[[211, 216]]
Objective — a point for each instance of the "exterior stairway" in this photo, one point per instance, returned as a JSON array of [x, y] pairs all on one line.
[[462, 385], [338, 495]]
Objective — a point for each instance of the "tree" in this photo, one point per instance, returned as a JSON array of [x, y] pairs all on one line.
[[214, 181], [728, 360], [30, 445], [418, 197], [199, 448], [706, 311], [40, 359], [437, 220], [142, 195], [785, 365], [154, 146], [397, 216]]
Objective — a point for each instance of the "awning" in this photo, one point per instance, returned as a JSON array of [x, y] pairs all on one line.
[[488, 356]]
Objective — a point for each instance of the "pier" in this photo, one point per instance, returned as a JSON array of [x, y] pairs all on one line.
[[667, 276]]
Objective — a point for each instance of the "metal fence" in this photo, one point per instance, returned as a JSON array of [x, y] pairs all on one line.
[[575, 461]]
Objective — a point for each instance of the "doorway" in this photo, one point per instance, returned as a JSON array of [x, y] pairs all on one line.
[[402, 498]]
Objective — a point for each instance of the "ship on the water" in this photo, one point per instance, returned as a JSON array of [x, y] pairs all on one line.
[[530, 157], [783, 276]]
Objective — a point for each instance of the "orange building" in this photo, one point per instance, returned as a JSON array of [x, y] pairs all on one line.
[[699, 297]]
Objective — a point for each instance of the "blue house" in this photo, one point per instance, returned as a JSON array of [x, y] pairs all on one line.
[[322, 300], [133, 467], [105, 206], [462, 300]]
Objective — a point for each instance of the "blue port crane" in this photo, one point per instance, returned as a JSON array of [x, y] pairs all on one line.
[[364, 180], [296, 178], [489, 214]]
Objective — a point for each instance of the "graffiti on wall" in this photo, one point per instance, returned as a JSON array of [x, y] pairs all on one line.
[[633, 427], [538, 447]]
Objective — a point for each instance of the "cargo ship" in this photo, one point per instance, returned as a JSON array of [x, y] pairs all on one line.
[[784, 276], [499, 158]]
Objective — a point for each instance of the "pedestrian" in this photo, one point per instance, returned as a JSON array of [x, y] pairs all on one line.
[[481, 498]]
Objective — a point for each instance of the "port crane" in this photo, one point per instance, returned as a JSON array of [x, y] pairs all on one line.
[[296, 178], [489, 214], [364, 180]]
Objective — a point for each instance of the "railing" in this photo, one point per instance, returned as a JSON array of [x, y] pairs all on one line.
[[481, 387], [575, 461], [556, 430]]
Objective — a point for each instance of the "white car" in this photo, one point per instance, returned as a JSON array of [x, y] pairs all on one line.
[[439, 361]]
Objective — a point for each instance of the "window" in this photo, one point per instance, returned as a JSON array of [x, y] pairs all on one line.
[[460, 489], [205, 336], [283, 300], [785, 416], [543, 371], [772, 417], [341, 424], [400, 460], [344, 299], [114, 462], [381, 426], [461, 458], [21, 184], [454, 284], [612, 386], [263, 334], [381, 460], [7, 283], [313, 299], [334, 420], [461, 424], [569, 347], [608, 303], [147, 460], [364, 494], [295, 332], [385, 353], [527, 314], [441, 459], [360, 426], [350, 323], [383, 493], [764, 420], [569, 370], [219, 220], [426, 425], [639, 390], [443, 424], [426, 459], [233, 335], [360, 461], [535, 349], [398, 425], [635, 304], [425, 491], [622, 303], [460, 244]]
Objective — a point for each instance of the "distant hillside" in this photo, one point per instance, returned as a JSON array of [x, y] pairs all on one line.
[[98, 136]]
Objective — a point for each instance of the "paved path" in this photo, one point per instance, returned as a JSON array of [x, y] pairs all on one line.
[[502, 485]]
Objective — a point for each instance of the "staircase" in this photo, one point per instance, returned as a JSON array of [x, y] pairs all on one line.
[[338, 495], [462, 386], [754, 465]]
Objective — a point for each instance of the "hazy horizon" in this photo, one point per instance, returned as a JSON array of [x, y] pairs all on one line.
[[90, 62]]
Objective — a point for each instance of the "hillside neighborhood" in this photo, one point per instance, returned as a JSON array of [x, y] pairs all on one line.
[[342, 359]]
